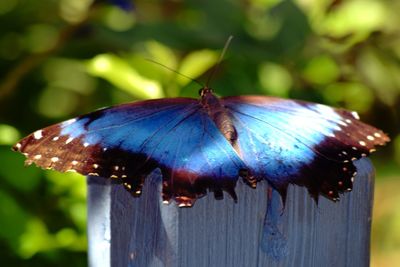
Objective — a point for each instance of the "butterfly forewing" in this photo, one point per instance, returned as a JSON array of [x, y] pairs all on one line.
[[127, 142], [286, 141]]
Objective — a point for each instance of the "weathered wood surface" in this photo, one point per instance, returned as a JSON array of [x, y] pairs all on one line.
[[124, 231]]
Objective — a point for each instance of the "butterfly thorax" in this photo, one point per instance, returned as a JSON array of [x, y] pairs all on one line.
[[218, 113]]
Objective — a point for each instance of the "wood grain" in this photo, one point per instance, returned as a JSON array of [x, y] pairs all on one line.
[[126, 231]]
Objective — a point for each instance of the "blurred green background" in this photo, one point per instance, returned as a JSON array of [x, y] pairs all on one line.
[[59, 59]]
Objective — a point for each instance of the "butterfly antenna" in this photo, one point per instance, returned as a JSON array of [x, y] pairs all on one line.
[[221, 57], [175, 71]]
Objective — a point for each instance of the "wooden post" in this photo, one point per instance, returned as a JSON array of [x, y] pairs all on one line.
[[127, 231]]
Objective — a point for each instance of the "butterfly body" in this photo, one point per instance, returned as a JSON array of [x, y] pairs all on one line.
[[207, 144], [219, 114]]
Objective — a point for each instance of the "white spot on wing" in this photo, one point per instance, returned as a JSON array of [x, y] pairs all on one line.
[[370, 137], [18, 146], [69, 140], [355, 115], [378, 135], [38, 156], [38, 134], [95, 166], [362, 143], [55, 138], [55, 159], [74, 162], [86, 144], [337, 128]]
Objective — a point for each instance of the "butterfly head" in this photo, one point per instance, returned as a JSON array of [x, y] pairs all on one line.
[[208, 99], [205, 91]]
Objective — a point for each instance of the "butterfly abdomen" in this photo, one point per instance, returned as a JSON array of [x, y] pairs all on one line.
[[225, 125], [219, 114]]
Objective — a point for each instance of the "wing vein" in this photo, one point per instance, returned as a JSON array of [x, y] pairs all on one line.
[[284, 132]]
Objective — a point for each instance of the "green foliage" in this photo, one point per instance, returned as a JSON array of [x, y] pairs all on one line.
[[8, 135], [118, 72], [63, 58], [275, 79]]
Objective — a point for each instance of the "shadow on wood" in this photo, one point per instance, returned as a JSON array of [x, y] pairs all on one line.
[[127, 231]]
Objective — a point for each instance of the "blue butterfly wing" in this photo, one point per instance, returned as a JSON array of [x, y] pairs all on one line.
[[312, 145], [282, 141], [129, 141]]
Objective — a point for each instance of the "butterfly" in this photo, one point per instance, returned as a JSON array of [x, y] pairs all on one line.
[[205, 145]]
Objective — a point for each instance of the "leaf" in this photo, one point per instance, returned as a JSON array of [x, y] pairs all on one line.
[[13, 219], [161, 53], [275, 79], [8, 135], [195, 64], [15, 174], [118, 72]]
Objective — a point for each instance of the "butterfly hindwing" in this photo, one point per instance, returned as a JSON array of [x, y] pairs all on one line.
[[286, 141], [129, 141]]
